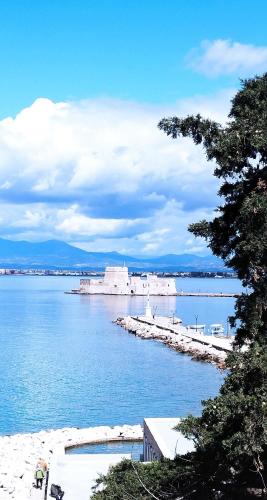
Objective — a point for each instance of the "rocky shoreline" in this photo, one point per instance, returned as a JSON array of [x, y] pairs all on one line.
[[178, 340], [19, 453]]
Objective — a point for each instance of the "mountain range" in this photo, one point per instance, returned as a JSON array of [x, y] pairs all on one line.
[[54, 254]]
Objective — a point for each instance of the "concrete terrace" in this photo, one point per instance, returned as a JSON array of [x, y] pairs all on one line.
[[77, 474]]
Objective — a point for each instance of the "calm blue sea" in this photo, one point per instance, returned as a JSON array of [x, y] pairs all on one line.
[[64, 363]]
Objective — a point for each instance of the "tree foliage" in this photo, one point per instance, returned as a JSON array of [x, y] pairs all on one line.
[[132, 480], [230, 460], [239, 233]]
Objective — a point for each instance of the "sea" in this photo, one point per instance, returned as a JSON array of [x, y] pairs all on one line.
[[64, 362]]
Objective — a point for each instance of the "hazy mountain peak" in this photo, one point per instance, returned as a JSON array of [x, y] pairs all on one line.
[[59, 254]]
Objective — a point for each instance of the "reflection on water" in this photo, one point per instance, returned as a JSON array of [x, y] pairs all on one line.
[[123, 305], [204, 310]]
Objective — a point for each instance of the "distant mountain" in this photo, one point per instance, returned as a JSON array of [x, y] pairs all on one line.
[[54, 253], [184, 261], [57, 254]]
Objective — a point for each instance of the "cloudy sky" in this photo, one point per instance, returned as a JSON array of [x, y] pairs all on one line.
[[84, 84]]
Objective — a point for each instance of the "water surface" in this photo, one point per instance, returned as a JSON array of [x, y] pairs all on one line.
[[134, 448], [64, 363]]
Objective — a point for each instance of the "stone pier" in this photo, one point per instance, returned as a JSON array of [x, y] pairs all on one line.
[[163, 329]]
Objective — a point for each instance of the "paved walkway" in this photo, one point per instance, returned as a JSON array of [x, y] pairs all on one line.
[[37, 494], [76, 474], [224, 344]]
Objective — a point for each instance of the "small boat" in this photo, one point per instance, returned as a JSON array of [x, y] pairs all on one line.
[[217, 329]]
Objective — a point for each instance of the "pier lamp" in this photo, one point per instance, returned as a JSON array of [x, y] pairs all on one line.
[[228, 333], [154, 311], [196, 316]]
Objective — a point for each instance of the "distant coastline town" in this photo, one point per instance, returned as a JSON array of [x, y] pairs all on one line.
[[96, 273]]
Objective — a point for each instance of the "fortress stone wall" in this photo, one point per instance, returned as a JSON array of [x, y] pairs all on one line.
[[118, 282]]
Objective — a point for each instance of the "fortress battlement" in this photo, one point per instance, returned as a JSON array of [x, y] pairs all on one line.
[[117, 281]]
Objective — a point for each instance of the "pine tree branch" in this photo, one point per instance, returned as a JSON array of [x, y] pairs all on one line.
[[141, 482]]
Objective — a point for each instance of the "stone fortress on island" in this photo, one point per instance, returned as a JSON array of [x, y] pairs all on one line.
[[117, 281]]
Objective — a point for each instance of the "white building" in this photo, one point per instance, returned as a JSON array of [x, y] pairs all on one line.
[[161, 440], [118, 282]]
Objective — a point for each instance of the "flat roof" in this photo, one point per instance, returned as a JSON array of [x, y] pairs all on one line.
[[169, 441], [76, 474], [197, 326]]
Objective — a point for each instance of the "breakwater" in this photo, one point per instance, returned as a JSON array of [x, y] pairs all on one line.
[[207, 294], [198, 346], [78, 291], [19, 453]]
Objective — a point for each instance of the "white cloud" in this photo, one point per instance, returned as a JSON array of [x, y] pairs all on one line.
[[100, 173], [222, 57], [168, 230], [6, 185], [73, 223], [30, 219], [64, 148]]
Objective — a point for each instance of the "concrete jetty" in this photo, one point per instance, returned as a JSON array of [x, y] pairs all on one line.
[[82, 291], [182, 339], [207, 294], [19, 453]]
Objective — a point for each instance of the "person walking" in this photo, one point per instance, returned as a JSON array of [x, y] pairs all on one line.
[[39, 476], [42, 464]]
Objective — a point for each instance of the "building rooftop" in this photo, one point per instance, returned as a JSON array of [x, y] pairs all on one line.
[[169, 441]]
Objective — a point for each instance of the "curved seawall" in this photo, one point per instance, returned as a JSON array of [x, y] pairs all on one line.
[[19, 453]]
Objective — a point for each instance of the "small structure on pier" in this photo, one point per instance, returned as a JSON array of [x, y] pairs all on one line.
[[217, 329], [198, 328]]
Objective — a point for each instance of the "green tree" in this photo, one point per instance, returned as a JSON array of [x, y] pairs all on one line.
[[232, 429], [132, 480], [230, 460]]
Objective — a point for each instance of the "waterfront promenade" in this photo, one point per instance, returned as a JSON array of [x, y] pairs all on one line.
[[19, 454]]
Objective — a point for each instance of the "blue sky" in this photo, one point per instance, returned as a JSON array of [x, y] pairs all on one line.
[[130, 49], [83, 86]]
